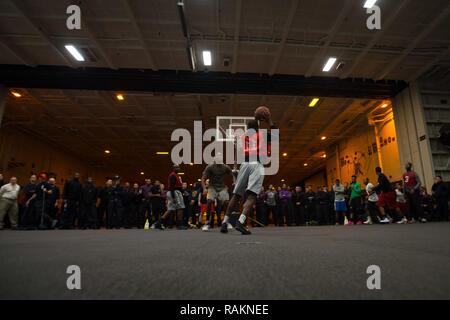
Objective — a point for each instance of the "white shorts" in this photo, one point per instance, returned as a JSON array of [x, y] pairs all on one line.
[[221, 195], [250, 178], [177, 203]]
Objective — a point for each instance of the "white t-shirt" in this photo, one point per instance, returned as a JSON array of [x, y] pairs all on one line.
[[8, 191], [400, 196], [373, 197]]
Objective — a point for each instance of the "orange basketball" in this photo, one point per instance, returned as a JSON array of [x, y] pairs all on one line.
[[262, 113]]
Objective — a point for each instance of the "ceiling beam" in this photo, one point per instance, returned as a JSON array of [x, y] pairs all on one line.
[[379, 33], [237, 31], [16, 51], [194, 82], [287, 26], [145, 46], [445, 53], [19, 6], [331, 33], [421, 36]]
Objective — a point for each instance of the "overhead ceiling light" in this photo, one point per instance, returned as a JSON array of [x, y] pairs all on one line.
[[305, 164], [108, 151], [207, 60], [313, 102], [191, 164], [323, 138], [142, 173], [384, 105], [327, 67], [285, 154], [120, 97], [324, 156], [16, 94], [181, 173], [369, 4], [282, 180], [161, 153], [199, 180], [74, 52]]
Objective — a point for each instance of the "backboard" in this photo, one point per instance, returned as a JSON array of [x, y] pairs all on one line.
[[227, 125]]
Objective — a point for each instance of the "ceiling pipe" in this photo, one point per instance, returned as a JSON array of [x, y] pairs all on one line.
[[189, 48]]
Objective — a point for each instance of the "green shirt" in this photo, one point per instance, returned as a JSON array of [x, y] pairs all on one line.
[[356, 190]]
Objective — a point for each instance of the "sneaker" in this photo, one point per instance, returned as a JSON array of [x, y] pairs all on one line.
[[239, 227], [230, 226], [403, 221], [359, 223], [385, 220], [205, 227], [152, 227], [158, 225], [224, 228], [350, 223], [423, 220], [368, 221], [412, 220]]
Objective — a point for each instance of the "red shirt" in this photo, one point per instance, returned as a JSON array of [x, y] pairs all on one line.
[[175, 182], [255, 146], [410, 179]]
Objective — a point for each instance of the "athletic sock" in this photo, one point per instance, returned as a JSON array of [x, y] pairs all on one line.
[[242, 218], [225, 219]]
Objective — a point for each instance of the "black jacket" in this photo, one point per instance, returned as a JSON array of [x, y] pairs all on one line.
[[72, 190]]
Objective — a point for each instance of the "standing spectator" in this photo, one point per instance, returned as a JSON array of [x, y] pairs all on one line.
[[261, 207], [54, 199], [340, 205], [440, 192], [310, 206], [145, 209], [26, 210], [157, 199], [285, 199], [2, 181], [115, 204], [323, 205], [401, 203], [101, 211], [8, 203], [41, 200], [195, 208], [386, 197], [271, 204], [88, 202], [71, 196], [371, 203], [187, 197], [355, 200], [298, 203], [411, 183], [428, 205]]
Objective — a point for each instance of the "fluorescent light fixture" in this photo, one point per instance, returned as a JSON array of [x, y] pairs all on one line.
[[74, 52], [161, 153], [120, 97], [16, 94], [369, 4], [313, 102], [331, 61], [207, 60]]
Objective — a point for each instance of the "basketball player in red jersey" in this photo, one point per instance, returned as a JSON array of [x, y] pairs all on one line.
[[175, 202], [251, 173], [411, 182]]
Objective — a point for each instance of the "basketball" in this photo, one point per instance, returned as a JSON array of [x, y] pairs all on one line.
[[262, 113]]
